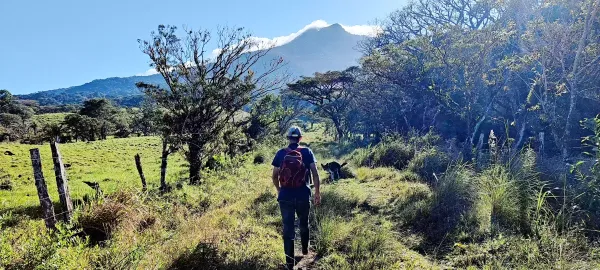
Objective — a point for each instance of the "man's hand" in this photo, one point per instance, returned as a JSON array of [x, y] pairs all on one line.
[[316, 182], [317, 198], [275, 179]]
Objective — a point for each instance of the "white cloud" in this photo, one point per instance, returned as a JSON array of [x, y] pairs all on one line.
[[263, 42], [149, 72], [363, 30]]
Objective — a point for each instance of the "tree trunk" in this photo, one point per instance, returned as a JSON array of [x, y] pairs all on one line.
[[163, 167], [520, 142], [195, 151], [573, 83], [338, 129]]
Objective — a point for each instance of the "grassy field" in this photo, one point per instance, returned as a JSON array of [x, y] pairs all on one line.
[[379, 218], [110, 163], [50, 118]]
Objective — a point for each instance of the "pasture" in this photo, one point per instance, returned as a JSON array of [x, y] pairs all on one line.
[[109, 163]]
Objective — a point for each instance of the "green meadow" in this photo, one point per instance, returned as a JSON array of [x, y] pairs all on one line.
[[380, 217]]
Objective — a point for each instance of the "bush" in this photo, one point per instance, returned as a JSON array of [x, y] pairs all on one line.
[[395, 154], [361, 157], [429, 162], [120, 210], [451, 204], [497, 205], [429, 140]]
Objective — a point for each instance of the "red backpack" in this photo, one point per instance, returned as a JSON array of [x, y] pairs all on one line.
[[292, 173]]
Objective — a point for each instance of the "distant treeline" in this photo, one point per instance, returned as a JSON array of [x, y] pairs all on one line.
[[27, 122]]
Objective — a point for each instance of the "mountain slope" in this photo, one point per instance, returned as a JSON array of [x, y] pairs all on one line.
[[316, 50]]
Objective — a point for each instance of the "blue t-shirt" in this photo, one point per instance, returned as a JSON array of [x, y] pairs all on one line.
[[301, 193]]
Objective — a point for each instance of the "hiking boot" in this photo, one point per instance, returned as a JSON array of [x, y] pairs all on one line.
[[288, 247], [304, 241]]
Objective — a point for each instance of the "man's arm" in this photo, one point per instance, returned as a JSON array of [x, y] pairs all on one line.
[[275, 178], [316, 182]]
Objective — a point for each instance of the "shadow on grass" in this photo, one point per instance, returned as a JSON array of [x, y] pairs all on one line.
[[206, 256]]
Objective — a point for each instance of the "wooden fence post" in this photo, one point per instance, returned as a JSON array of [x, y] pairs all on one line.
[[42, 189], [163, 166], [138, 164], [62, 183]]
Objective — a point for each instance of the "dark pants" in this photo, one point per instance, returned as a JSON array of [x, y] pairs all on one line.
[[289, 210]]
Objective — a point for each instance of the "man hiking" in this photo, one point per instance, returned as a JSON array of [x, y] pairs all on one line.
[[292, 169]]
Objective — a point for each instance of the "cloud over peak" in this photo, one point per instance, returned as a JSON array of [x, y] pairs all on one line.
[[264, 42]]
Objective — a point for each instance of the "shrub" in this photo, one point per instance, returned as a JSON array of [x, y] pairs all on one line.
[[396, 155], [429, 162], [361, 157], [497, 205], [451, 203], [120, 210], [429, 140]]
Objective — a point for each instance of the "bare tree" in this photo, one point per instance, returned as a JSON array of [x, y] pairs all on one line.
[[204, 93], [419, 17]]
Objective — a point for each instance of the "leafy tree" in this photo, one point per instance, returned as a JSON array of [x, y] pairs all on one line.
[[103, 112], [268, 116], [204, 93], [6, 99], [82, 127], [331, 93], [564, 55], [147, 120], [12, 126]]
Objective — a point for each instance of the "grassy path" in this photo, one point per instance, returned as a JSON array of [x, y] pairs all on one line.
[[231, 221]]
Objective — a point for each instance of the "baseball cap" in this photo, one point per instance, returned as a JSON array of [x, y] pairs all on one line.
[[294, 132]]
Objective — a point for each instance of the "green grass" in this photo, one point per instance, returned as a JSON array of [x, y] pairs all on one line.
[[382, 218], [50, 118], [110, 163]]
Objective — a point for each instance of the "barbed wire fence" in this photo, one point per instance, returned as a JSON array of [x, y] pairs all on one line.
[[49, 215]]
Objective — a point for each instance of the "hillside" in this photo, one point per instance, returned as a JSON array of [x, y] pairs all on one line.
[[316, 50]]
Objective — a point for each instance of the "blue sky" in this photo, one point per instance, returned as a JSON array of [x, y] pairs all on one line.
[[54, 44]]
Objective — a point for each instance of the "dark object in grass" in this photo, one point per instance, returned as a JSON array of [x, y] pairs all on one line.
[[334, 169], [6, 186], [9, 153], [95, 186], [259, 159], [67, 165]]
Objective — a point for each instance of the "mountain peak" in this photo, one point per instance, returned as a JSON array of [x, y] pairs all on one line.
[[336, 26]]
